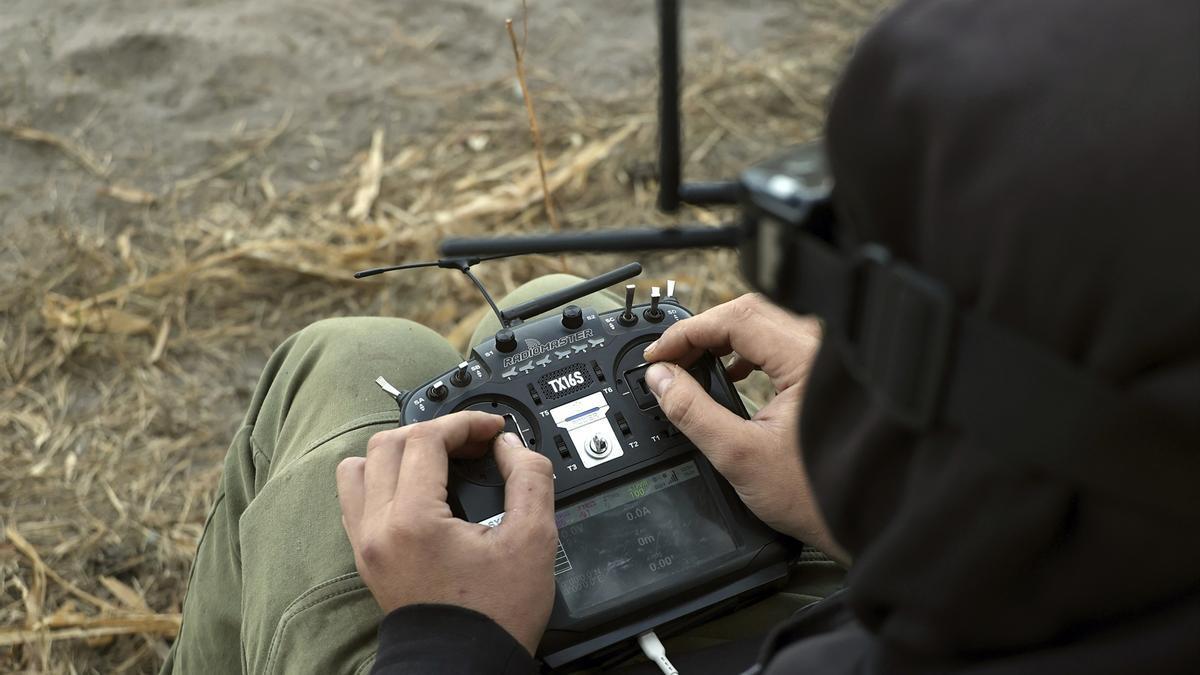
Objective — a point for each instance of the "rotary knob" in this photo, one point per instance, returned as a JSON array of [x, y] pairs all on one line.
[[572, 317], [506, 340]]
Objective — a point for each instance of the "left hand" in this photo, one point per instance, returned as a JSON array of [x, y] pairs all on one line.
[[410, 549]]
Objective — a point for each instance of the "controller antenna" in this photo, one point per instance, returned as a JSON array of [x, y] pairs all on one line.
[[462, 264], [569, 294]]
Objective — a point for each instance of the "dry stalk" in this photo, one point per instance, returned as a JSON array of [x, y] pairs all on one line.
[[129, 195], [538, 149], [236, 158], [165, 625], [508, 198], [370, 175], [75, 151], [23, 545]]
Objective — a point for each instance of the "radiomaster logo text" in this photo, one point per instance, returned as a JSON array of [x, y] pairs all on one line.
[[538, 348]]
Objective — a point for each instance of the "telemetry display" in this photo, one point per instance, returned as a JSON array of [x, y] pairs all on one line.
[[636, 535]]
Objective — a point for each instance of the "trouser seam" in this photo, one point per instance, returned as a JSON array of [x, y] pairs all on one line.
[[196, 558], [369, 420], [306, 601], [255, 453]]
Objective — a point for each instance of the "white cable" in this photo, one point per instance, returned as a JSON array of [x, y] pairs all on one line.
[[654, 650]]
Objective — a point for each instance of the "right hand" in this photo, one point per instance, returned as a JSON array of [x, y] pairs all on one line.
[[760, 457]]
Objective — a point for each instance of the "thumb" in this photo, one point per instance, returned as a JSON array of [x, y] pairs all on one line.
[[717, 431]]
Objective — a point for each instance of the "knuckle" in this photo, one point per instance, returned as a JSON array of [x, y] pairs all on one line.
[[371, 551], [678, 330], [538, 534], [387, 439], [347, 467], [734, 455], [685, 417], [747, 306], [438, 424], [678, 407], [539, 464], [545, 536], [422, 432], [406, 529]]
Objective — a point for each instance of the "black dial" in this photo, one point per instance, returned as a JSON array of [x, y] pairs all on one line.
[[506, 340], [572, 317]]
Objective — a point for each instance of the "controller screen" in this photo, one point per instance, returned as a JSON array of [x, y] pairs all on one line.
[[636, 535]]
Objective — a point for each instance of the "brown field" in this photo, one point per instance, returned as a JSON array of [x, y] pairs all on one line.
[[185, 183]]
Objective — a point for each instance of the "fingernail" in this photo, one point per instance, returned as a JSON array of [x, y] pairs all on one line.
[[659, 378], [649, 348], [509, 438]]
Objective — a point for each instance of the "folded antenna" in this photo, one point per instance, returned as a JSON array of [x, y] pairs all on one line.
[[462, 264]]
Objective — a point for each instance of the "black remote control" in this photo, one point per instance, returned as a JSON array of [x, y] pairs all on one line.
[[649, 533]]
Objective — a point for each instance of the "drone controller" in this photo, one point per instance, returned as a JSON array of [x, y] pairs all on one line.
[[649, 532]]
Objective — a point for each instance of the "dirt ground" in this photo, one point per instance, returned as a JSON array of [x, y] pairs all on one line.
[[183, 183]]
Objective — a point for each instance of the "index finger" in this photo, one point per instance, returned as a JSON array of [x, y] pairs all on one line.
[[528, 486], [423, 469]]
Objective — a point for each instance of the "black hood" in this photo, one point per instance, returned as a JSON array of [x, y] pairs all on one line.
[[1041, 158]]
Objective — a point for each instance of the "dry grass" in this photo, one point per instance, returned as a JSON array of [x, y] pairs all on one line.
[[126, 360]]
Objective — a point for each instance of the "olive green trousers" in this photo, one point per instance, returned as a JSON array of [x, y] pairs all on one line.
[[273, 588]]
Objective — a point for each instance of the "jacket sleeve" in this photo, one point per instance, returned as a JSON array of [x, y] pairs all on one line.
[[420, 639]]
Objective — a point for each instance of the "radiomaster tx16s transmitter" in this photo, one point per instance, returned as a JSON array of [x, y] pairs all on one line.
[[650, 535]]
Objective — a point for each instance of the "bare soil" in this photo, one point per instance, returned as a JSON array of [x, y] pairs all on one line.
[[183, 183]]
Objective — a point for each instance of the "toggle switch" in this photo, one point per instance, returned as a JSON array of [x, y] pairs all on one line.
[[437, 391], [628, 318], [622, 424], [462, 376], [654, 314]]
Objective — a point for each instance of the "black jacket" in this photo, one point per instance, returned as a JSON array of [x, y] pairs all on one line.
[[1042, 159]]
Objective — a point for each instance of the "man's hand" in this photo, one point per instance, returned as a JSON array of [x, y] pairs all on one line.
[[759, 457], [409, 548]]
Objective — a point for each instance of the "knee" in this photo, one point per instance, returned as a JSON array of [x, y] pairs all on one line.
[[540, 286], [352, 329], [362, 335]]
